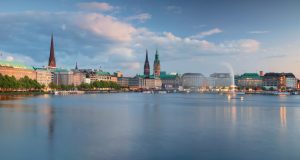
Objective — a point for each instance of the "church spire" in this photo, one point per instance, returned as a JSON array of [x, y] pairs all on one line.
[[147, 66], [76, 66], [52, 63], [156, 65]]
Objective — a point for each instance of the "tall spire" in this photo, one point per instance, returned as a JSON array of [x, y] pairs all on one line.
[[76, 66], [52, 63], [147, 66], [156, 65]]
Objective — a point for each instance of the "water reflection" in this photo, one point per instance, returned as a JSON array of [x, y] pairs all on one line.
[[282, 112], [171, 126]]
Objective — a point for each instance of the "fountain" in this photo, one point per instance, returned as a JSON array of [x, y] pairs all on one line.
[[232, 93]]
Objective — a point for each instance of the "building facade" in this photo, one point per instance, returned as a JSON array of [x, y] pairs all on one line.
[[193, 81], [17, 70], [170, 81], [139, 82], [280, 81], [250, 80], [220, 80], [43, 76], [78, 78], [123, 81], [63, 77], [102, 76]]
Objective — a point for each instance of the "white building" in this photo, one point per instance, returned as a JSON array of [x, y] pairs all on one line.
[[194, 81]]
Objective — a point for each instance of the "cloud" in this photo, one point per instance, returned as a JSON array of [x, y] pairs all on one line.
[[259, 32], [207, 33], [174, 9], [101, 6], [140, 17], [97, 39], [106, 26], [131, 65]]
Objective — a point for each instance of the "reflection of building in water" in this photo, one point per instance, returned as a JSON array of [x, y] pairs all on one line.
[[231, 112], [49, 119], [283, 116]]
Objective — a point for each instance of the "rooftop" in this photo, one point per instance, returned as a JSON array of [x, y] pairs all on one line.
[[250, 76], [15, 65]]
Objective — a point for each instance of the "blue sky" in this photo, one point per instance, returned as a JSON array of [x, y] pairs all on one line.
[[191, 36]]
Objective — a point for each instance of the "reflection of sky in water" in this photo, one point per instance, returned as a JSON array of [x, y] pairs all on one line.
[[140, 126]]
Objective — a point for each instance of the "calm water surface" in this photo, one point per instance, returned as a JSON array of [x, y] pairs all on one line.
[[134, 126]]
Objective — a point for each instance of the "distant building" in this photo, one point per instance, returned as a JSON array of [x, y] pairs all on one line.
[[250, 80], [43, 76], [291, 81], [63, 77], [280, 81], [169, 81], [139, 82], [78, 78], [220, 80], [17, 70], [52, 62], [118, 74], [193, 81], [123, 81], [102, 76]]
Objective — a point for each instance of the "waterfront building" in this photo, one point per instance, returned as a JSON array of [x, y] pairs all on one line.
[[250, 81], [140, 82], [219, 80], [291, 81], [123, 81], [193, 81], [271, 81], [87, 80], [78, 78], [18, 70], [280, 81], [118, 74], [63, 77], [147, 66], [102, 76], [169, 81], [52, 62], [43, 76], [156, 66]]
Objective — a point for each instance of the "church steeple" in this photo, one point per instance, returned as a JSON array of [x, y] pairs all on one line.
[[52, 62], [147, 66], [156, 66], [76, 66]]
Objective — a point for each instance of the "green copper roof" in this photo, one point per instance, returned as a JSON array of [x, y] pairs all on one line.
[[250, 76], [144, 76], [102, 73], [59, 70], [15, 65], [168, 76]]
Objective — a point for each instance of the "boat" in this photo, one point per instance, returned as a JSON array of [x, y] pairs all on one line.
[[147, 92]]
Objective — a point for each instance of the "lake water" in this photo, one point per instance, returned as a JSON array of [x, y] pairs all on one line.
[[136, 126]]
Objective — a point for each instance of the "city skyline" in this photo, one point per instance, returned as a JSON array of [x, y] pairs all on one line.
[[102, 33]]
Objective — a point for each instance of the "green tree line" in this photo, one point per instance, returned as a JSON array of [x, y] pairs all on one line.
[[99, 85], [10, 83], [84, 86]]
